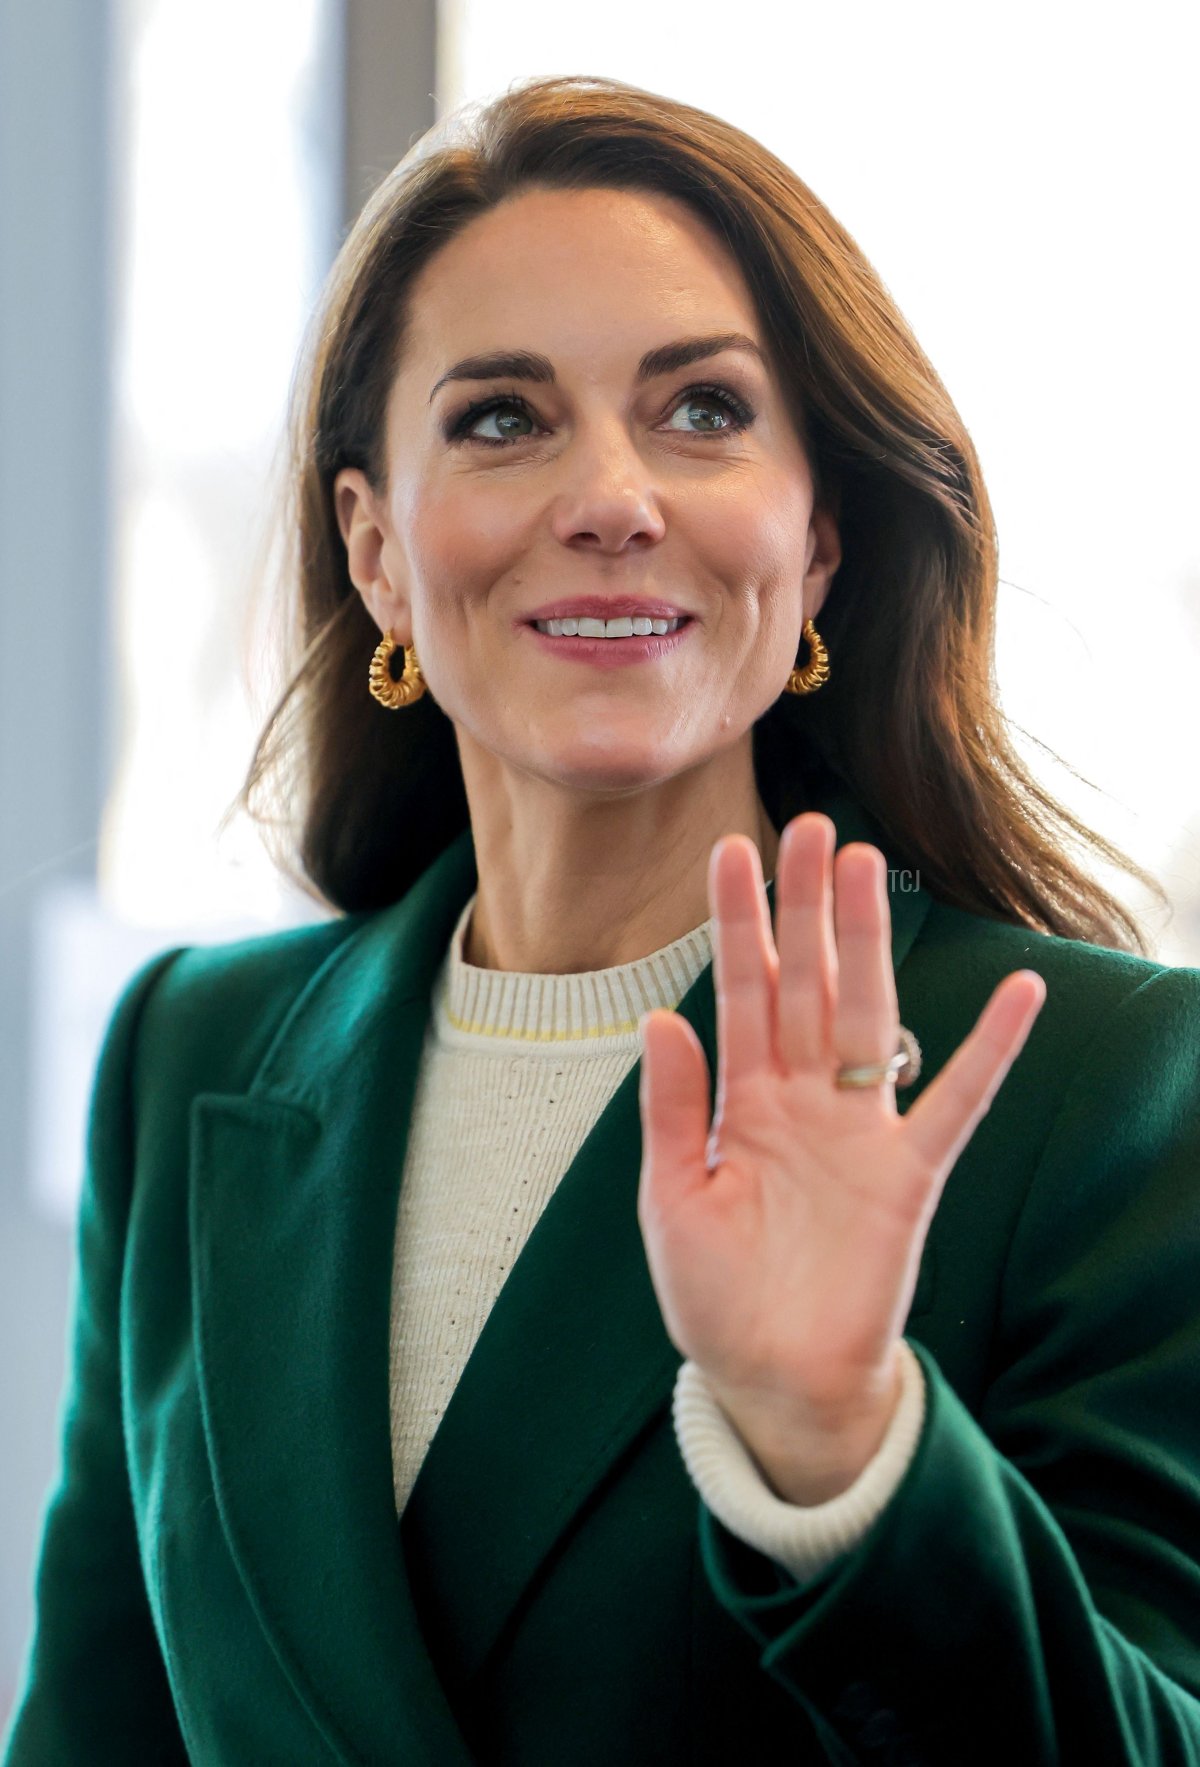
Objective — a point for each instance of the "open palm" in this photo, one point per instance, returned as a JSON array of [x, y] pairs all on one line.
[[784, 1239]]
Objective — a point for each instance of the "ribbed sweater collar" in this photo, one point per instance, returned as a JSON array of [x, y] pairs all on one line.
[[598, 1008]]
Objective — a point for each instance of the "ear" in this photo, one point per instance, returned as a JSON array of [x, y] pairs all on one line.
[[824, 557], [361, 523]]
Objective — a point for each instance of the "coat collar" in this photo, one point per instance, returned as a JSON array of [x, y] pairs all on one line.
[[293, 1199]]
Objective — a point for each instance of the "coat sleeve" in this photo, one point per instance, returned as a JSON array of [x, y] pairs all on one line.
[[806, 1539], [1032, 1588], [93, 1686]]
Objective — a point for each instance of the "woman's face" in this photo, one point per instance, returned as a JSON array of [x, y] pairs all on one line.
[[605, 483]]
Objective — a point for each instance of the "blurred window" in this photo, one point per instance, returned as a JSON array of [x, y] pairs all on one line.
[[228, 180], [1022, 179]]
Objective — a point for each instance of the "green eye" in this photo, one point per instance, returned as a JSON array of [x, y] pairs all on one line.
[[740, 415]]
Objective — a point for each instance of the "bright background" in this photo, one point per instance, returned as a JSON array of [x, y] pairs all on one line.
[[174, 181]]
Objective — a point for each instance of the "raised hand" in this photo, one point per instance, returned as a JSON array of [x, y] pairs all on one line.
[[784, 1239]]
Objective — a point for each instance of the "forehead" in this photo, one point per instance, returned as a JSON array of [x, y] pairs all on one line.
[[577, 268]]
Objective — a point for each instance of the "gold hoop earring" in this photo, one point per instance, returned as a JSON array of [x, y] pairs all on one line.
[[815, 672], [389, 692]]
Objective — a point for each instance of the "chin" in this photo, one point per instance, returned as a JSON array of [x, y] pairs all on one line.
[[607, 772]]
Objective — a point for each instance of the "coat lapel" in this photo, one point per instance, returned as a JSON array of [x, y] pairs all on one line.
[[293, 1196], [294, 1191]]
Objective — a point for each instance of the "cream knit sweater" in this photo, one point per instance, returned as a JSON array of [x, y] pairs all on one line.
[[515, 1071]]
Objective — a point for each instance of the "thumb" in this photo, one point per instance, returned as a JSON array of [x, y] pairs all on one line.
[[674, 1095]]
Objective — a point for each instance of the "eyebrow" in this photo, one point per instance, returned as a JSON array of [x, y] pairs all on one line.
[[526, 365]]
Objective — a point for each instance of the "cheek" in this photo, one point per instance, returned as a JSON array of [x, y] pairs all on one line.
[[754, 535], [460, 538]]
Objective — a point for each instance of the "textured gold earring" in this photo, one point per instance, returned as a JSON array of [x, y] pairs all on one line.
[[815, 672], [391, 693]]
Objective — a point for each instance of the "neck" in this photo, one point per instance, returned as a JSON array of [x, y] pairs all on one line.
[[565, 919]]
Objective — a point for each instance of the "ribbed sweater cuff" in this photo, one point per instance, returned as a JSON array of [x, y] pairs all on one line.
[[805, 1540]]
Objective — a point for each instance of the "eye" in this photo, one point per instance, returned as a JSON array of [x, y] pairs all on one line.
[[474, 414], [738, 414]]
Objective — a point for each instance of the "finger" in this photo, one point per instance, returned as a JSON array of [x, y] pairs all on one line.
[[943, 1119], [745, 965], [673, 1093], [866, 1020], [804, 934]]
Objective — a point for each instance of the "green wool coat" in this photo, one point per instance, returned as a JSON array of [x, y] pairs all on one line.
[[222, 1577]]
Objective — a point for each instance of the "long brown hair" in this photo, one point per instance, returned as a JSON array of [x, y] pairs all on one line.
[[909, 719]]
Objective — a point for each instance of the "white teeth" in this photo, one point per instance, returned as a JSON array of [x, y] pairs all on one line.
[[641, 626]]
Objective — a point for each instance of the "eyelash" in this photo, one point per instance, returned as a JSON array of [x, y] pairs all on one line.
[[738, 409]]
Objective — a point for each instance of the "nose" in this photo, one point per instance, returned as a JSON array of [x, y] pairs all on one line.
[[610, 499]]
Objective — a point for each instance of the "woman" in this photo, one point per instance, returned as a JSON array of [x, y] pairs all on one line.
[[449, 1384]]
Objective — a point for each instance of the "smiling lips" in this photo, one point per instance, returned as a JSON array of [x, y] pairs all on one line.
[[605, 643], [639, 626], [606, 607]]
